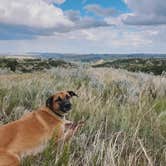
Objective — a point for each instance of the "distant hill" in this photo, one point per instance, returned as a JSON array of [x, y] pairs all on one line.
[[94, 57], [149, 65], [31, 64], [87, 57]]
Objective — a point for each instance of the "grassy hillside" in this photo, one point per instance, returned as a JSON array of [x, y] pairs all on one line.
[[155, 66], [125, 115], [31, 64]]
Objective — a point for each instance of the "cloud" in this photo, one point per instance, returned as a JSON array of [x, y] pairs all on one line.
[[101, 39], [55, 1], [116, 20], [73, 15], [146, 12], [27, 19], [100, 11], [124, 39], [19, 32], [35, 14], [40, 25], [84, 22]]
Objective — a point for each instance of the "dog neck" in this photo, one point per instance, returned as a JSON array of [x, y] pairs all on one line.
[[60, 116]]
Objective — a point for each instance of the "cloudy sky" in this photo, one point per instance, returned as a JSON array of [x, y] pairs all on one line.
[[83, 26]]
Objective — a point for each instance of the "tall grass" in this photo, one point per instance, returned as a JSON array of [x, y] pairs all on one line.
[[125, 115]]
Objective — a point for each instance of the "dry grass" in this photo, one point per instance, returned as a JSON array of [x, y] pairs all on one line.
[[125, 115]]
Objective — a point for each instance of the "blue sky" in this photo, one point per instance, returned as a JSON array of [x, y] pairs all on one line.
[[78, 4], [83, 26]]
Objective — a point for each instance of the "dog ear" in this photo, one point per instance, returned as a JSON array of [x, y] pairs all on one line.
[[71, 93], [49, 102]]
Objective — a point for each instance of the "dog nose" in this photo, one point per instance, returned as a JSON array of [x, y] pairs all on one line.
[[67, 105]]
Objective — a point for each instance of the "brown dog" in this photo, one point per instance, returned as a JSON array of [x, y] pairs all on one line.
[[30, 134]]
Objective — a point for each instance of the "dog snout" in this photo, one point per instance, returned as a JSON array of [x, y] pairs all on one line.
[[67, 105]]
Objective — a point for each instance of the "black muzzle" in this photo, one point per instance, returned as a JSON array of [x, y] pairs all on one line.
[[65, 106]]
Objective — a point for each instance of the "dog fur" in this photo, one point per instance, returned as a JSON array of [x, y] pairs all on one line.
[[30, 134]]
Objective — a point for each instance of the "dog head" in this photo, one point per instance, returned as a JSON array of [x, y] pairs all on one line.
[[60, 102]]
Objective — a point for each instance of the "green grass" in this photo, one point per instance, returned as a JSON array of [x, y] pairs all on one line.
[[125, 117]]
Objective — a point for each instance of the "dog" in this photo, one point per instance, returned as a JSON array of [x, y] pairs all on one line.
[[31, 134]]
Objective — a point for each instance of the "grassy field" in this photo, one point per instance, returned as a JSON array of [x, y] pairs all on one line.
[[125, 115]]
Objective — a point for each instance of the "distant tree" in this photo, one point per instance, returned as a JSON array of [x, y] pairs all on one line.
[[12, 64]]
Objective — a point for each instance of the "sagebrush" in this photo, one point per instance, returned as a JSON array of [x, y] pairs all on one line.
[[125, 115]]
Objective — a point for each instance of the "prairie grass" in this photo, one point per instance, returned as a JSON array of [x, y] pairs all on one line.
[[125, 115]]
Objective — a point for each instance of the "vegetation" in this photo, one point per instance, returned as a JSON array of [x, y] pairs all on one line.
[[151, 65], [125, 115], [155, 66], [31, 65]]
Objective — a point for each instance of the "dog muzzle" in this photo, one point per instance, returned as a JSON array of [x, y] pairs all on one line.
[[65, 106]]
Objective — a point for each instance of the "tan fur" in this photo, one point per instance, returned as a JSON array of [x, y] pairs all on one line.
[[30, 134]]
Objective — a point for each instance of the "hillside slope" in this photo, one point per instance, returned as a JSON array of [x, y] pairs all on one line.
[[125, 115]]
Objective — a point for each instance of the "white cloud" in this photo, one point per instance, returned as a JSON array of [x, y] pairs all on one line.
[[146, 12], [97, 40], [116, 20], [27, 19], [55, 1], [32, 13], [117, 37], [81, 34]]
